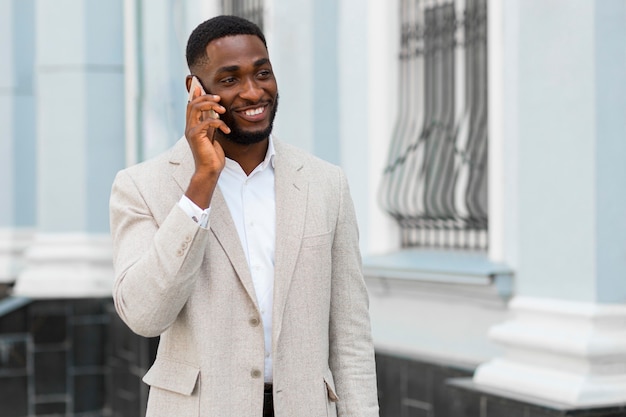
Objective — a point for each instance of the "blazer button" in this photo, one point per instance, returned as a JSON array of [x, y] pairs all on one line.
[[180, 252], [188, 238], [254, 322], [255, 373], [184, 245]]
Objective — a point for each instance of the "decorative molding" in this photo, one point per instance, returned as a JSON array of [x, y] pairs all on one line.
[[436, 303], [13, 243], [67, 266], [465, 274], [564, 351]]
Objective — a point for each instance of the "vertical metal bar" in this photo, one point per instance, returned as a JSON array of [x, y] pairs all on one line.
[[391, 177], [434, 184]]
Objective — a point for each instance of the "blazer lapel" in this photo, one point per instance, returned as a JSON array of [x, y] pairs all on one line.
[[220, 220], [291, 197], [222, 225], [182, 163]]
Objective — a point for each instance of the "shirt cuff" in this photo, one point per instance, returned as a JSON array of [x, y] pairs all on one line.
[[196, 213]]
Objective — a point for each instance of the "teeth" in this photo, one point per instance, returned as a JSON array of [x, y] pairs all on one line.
[[254, 112]]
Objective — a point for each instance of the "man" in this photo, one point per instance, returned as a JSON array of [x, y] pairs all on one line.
[[241, 252]]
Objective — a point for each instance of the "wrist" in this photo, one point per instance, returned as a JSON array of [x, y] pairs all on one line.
[[200, 189]]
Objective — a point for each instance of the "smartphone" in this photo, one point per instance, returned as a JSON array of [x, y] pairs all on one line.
[[192, 88]]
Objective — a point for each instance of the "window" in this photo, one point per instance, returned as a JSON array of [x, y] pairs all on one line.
[[248, 9], [435, 181]]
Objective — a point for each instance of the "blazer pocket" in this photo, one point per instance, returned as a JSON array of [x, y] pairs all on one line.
[[317, 240], [173, 389], [178, 377]]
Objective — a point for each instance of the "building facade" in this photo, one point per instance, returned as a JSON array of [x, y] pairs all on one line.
[[483, 142]]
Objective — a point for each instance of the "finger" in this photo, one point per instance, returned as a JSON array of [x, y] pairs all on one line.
[[205, 105], [200, 128], [208, 123]]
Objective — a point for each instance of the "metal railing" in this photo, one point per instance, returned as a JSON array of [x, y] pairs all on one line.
[[435, 181], [248, 9]]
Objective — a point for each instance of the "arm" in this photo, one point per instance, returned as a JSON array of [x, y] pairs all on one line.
[[351, 348], [155, 265]]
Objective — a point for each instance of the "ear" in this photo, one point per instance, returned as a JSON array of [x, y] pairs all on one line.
[[188, 82]]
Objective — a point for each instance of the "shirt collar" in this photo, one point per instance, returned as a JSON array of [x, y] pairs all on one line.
[[269, 158], [270, 155]]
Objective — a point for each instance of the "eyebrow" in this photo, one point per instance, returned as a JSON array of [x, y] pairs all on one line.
[[233, 68]]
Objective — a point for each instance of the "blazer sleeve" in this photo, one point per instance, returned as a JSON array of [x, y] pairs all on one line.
[[155, 264], [351, 348]]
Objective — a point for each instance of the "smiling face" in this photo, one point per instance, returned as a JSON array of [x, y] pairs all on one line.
[[238, 69]]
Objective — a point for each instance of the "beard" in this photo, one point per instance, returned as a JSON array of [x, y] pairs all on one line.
[[241, 137]]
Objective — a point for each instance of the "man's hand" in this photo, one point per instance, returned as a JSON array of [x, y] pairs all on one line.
[[208, 154]]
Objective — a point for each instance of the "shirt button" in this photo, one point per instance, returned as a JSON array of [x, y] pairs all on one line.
[[255, 373], [254, 322]]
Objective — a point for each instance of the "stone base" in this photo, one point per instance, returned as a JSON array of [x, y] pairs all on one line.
[[67, 266], [13, 243], [572, 353]]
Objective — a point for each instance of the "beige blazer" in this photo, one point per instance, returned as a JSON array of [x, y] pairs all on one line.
[[192, 287]]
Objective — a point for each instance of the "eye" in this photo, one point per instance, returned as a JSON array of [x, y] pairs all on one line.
[[227, 80], [263, 74]]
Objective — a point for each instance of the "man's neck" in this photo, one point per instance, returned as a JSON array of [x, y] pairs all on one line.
[[247, 156]]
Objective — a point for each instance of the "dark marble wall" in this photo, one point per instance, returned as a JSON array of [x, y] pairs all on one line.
[[413, 388], [410, 387], [76, 358], [52, 357], [129, 359]]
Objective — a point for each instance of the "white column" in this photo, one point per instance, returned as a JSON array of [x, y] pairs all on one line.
[[80, 146], [563, 150], [368, 91]]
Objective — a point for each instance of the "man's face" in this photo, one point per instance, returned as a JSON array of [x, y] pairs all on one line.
[[239, 71]]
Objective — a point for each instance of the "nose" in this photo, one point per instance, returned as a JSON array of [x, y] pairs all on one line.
[[251, 90]]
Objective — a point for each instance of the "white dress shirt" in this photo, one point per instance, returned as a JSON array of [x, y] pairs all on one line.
[[252, 204]]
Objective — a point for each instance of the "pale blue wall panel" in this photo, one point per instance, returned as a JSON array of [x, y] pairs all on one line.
[[556, 150], [7, 90], [62, 167], [104, 34], [326, 140], [6, 158], [292, 58], [25, 160], [354, 103], [17, 115], [25, 117], [610, 113], [162, 67], [104, 144], [60, 33]]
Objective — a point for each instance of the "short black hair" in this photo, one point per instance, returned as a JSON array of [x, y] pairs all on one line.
[[216, 28]]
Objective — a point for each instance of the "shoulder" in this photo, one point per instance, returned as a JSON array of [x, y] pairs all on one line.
[[305, 162], [159, 166]]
